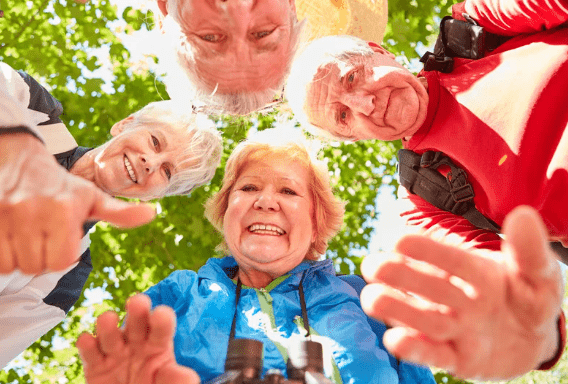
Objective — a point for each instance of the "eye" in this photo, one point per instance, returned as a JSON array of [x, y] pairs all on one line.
[[168, 172], [343, 116], [155, 142], [350, 79], [288, 191], [262, 34], [249, 188], [212, 37]]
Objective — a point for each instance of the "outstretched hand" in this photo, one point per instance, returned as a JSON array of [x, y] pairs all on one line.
[[141, 353], [478, 314], [43, 208]]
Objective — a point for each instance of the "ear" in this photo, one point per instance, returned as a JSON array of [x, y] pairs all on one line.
[[293, 8], [163, 5], [119, 127], [379, 49]]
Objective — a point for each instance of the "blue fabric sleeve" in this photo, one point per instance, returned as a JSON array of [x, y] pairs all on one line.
[[173, 290], [408, 373]]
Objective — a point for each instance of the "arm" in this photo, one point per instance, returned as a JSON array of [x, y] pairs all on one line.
[[505, 303], [31, 305], [513, 17], [14, 101]]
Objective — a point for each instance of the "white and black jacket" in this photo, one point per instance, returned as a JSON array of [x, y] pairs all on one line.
[[31, 305]]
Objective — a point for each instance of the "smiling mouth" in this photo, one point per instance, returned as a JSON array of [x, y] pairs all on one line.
[[130, 170], [262, 229]]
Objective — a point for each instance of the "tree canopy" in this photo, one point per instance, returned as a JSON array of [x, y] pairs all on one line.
[[62, 44]]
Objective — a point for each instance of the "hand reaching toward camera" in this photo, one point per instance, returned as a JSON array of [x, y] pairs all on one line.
[[141, 353], [479, 314]]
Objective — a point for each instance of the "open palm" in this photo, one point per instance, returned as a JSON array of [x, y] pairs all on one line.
[[141, 353]]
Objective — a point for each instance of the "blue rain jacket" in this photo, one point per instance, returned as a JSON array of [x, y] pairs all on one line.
[[204, 303]]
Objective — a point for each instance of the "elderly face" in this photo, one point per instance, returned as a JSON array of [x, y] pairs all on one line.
[[373, 97], [240, 45], [138, 162], [268, 223]]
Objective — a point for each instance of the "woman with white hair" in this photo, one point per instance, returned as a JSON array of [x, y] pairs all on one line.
[[155, 152], [277, 212]]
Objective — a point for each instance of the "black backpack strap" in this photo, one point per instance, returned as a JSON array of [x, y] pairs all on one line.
[[463, 39], [418, 174], [452, 193]]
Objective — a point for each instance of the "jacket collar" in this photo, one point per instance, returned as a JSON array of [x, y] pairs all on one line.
[[224, 269]]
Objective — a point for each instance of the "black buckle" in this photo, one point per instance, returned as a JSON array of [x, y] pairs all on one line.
[[431, 62], [460, 189], [429, 158]]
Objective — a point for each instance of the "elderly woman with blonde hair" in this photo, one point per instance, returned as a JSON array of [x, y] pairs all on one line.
[[277, 212]]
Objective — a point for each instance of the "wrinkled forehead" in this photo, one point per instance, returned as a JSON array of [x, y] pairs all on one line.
[[319, 91]]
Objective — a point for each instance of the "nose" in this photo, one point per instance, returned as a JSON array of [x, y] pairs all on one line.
[[359, 102], [150, 163], [237, 15], [267, 201]]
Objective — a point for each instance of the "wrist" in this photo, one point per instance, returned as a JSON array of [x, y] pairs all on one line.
[[554, 345]]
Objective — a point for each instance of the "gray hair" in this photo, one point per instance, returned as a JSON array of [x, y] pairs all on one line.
[[204, 147], [184, 58], [336, 50]]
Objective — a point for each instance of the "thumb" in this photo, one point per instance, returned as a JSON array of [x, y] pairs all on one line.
[[120, 213], [526, 240]]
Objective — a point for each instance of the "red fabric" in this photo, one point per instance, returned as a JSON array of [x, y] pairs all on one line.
[[504, 120], [513, 17], [561, 344]]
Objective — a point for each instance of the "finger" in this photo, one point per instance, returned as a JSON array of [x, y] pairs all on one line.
[[62, 247], [162, 327], [138, 317], [7, 259], [408, 344], [449, 258], [175, 374], [110, 337], [29, 252], [120, 213], [89, 350], [430, 283], [394, 307], [526, 239]]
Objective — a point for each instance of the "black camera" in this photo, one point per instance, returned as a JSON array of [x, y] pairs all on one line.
[[244, 364]]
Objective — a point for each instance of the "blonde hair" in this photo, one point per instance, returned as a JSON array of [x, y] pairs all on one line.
[[328, 210], [204, 146]]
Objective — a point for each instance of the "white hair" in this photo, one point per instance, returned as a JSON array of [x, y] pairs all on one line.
[[204, 147], [183, 81], [336, 50]]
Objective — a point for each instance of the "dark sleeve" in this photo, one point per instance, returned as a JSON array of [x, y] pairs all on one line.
[[42, 101]]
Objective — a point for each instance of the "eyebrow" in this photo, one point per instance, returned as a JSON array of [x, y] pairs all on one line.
[[269, 47], [281, 178]]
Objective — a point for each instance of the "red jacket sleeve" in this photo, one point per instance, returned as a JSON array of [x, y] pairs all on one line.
[[514, 17], [446, 226]]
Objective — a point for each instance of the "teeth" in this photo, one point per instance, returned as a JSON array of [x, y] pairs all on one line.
[[266, 229], [130, 170]]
